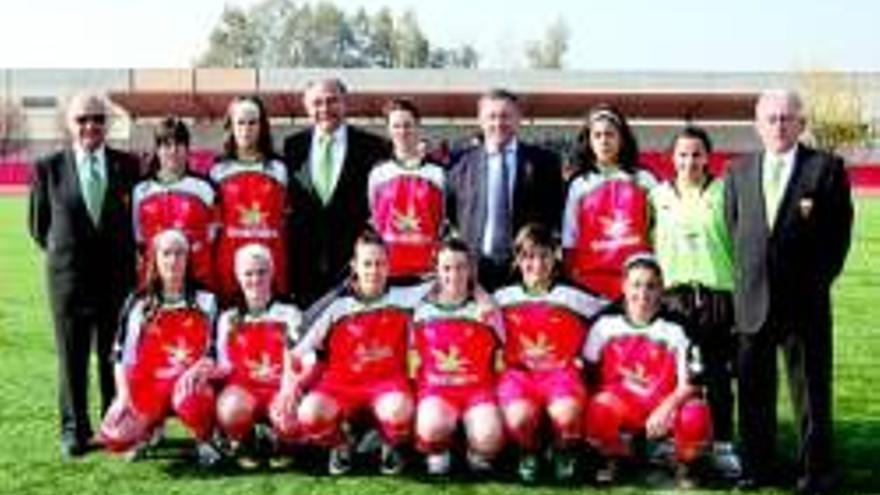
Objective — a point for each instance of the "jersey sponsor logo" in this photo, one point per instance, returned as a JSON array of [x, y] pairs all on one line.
[[263, 369]]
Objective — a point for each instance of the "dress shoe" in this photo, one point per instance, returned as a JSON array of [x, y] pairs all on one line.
[[751, 482], [815, 485], [71, 448]]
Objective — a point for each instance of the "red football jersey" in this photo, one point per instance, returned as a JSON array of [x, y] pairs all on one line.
[[252, 208], [407, 210], [607, 220], [186, 205], [456, 346]]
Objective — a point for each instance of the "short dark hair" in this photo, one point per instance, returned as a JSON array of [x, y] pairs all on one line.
[[369, 237], [644, 260], [455, 244], [500, 94], [693, 132], [171, 130], [403, 105]]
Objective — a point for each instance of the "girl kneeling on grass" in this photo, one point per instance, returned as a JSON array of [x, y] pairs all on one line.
[[251, 359], [546, 324], [360, 333], [165, 330], [643, 385], [456, 339]]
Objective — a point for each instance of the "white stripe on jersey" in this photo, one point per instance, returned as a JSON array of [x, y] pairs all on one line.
[[188, 185], [663, 332], [565, 296], [585, 184], [390, 169], [229, 168], [404, 298], [287, 314]]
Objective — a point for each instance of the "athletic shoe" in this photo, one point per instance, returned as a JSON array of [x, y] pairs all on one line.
[[339, 462], [478, 463], [439, 464], [607, 473], [563, 465], [726, 461], [390, 460], [528, 468], [207, 455]]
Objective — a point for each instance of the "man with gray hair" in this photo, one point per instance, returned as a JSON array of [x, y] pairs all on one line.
[[329, 163], [80, 214], [789, 211]]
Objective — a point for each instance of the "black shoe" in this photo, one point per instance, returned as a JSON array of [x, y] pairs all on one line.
[[73, 449], [815, 485], [750, 483]]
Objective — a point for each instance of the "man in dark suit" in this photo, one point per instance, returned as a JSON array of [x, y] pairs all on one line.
[[790, 215], [329, 165], [499, 186], [80, 214]]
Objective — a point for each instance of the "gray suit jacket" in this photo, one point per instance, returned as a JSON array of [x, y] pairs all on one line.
[[788, 269]]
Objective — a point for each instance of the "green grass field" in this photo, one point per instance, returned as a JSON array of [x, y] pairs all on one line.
[[30, 460]]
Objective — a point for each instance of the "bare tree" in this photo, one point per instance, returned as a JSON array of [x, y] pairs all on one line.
[[835, 110]]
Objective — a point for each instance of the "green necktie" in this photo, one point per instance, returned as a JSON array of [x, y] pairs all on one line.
[[94, 187], [772, 185], [324, 177]]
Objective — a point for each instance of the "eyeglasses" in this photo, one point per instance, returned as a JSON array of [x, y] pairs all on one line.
[[97, 118]]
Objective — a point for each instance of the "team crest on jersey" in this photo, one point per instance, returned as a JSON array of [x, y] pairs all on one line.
[[365, 355], [178, 357], [450, 361], [636, 378], [407, 222], [536, 350], [263, 369], [616, 226], [252, 216]]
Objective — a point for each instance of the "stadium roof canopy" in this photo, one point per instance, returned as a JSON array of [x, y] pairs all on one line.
[[205, 93]]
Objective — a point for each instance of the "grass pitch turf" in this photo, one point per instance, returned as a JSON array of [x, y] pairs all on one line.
[[30, 460]]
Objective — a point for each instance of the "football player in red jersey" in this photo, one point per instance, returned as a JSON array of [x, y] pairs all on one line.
[[251, 358], [406, 196], [456, 337], [165, 330], [607, 212], [173, 197], [546, 324], [357, 334], [252, 186], [641, 363]]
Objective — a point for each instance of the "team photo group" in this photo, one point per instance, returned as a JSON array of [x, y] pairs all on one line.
[[486, 310]]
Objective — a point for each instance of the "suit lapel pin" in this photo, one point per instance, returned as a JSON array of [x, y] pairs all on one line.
[[806, 207]]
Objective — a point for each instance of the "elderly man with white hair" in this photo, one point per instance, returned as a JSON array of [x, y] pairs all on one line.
[[789, 211], [80, 214]]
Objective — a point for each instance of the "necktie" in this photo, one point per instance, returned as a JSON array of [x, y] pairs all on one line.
[[324, 178], [94, 188], [772, 182], [500, 211]]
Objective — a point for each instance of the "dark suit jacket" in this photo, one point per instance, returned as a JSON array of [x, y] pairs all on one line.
[[322, 236], [87, 266], [794, 264], [537, 192]]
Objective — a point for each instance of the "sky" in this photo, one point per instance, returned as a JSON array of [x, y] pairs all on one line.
[[626, 35]]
